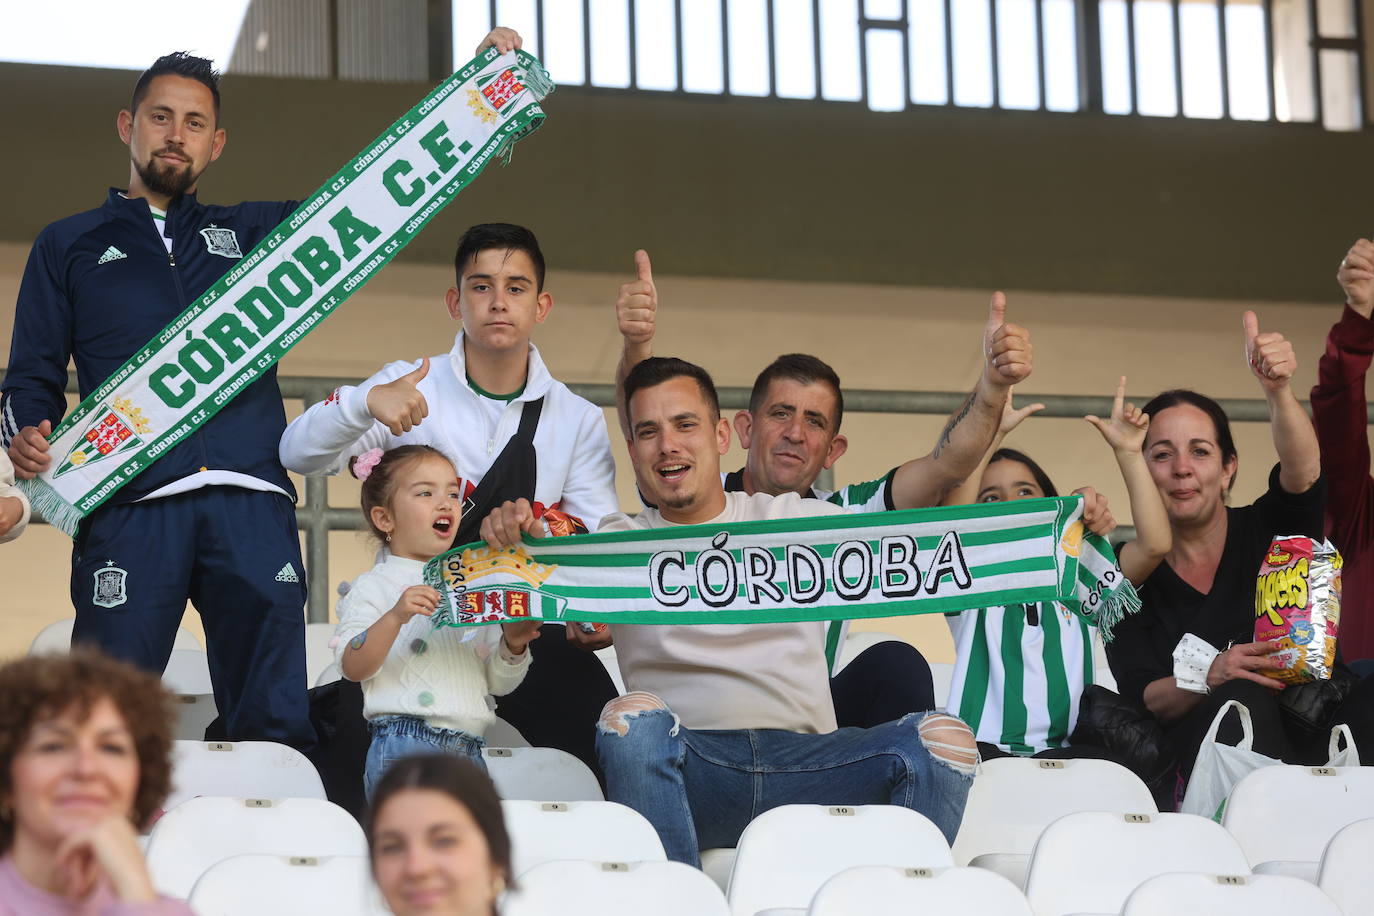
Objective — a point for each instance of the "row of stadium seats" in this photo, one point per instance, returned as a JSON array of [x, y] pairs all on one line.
[[1071, 834], [268, 855]]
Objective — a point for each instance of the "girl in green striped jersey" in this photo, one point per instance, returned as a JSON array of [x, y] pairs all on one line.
[[1020, 670]]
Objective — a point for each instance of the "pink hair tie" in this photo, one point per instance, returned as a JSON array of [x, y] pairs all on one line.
[[364, 464]]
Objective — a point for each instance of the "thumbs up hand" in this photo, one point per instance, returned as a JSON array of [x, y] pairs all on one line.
[[399, 405], [635, 309], [1006, 347], [1270, 355]]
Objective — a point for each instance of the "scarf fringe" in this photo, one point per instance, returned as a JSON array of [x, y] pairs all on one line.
[[1122, 602], [55, 510]]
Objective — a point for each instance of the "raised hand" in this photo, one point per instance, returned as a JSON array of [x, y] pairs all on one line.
[[29, 450], [1125, 429], [1006, 347], [1097, 516], [418, 600], [503, 527], [1012, 416], [520, 634], [638, 303], [1270, 355], [399, 405], [502, 39], [1356, 277]]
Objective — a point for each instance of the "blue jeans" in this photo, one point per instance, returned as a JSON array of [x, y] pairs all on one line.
[[396, 737], [700, 789]]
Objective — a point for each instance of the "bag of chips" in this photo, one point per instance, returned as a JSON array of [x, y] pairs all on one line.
[[1298, 603]]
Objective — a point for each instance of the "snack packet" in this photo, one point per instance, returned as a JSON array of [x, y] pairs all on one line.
[[1298, 603]]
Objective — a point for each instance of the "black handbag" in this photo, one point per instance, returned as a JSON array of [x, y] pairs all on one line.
[[1309, 708], [1132, 734]]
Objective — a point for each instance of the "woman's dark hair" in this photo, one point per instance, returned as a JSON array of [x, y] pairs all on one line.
[[380, 485], [459, 779], [38, 688], [1042, 480], [1175, 397]]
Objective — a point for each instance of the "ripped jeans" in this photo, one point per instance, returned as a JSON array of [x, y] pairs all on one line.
[[701, 788]]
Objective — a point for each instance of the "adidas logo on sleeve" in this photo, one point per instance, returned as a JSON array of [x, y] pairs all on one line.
[[288, 574], [111, 254]]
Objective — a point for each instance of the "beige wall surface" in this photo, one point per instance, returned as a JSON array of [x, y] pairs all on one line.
[[876, 337]]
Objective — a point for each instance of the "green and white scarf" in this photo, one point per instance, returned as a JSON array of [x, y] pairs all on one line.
[[830, 567], [295, 278]]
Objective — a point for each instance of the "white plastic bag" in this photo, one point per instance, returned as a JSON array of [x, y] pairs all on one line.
[[1220, 766], [1349, 756]]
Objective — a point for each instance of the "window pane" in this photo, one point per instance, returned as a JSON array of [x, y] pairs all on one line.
[[1200, 41], [703, 51], [610, 43], [972, 54], [563, 55], [655, 45], [886, 82], [1245, 61], [840, 50], [1154, 56], [1018, 60], [1117, 91], [794, 44], [929, 81], [1061, 55], [748, 47], [471, 20]]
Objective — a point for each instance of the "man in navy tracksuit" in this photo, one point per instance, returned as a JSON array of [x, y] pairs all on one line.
[[212, 520]]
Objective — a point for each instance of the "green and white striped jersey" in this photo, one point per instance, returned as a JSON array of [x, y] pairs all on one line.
[[1019, 673]]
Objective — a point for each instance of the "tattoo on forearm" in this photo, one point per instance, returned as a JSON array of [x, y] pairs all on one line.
[[357, 641], [954, 421]]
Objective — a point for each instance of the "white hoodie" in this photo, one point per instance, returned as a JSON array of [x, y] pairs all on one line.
[[576, 472]]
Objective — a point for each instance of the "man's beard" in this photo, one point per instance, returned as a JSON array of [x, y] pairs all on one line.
[[167, 180]]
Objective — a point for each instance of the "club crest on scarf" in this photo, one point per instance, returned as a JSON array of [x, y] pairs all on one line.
[[465, 604], [115, 429]]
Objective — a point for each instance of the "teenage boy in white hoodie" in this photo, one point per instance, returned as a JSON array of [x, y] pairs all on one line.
[[512, 431]]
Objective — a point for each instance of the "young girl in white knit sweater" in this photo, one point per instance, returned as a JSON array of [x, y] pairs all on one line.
[[424, 689]]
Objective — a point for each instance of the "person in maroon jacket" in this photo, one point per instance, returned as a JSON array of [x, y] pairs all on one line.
[[1338, 405]]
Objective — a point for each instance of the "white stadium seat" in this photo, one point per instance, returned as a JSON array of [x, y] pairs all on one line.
[[1014, 799], [319, 655], [56, 637], [579, 888], [328, 675], [1322, 801], [502, 734], [1090, 862], [1227, 895], [608, 658], [788, 852], [540, 774], [265, 885], [598, 831], [884, 889], [1345, 874], [200, 832], [188, 676], [248, 769]]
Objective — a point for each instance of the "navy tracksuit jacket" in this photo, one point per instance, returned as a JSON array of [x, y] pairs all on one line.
[[98, 286]]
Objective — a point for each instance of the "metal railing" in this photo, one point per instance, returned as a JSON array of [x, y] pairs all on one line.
[[317, 518]]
